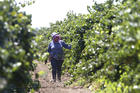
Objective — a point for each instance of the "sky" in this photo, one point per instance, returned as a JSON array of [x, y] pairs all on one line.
[[45, 12]]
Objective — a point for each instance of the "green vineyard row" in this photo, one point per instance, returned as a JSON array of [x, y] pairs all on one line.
[[105, 54]]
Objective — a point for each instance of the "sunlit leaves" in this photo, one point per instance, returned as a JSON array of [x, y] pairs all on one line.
[[105, 45], [13, 13], [24, 3], [15, 48], [41, 73], [3, 83]]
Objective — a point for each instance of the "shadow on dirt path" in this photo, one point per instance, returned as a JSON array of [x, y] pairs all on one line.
[[47, 86]]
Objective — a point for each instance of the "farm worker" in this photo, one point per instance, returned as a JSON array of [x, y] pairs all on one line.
[[56, 53]]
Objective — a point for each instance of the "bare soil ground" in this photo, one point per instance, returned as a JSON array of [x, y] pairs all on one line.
[[47, 86]]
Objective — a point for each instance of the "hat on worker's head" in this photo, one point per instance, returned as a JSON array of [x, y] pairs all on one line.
[[53, 34]]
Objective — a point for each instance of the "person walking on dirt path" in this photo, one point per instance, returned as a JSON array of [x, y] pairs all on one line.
[[56, 53]]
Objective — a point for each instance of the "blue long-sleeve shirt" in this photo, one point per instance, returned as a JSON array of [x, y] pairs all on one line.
[[56, 49]]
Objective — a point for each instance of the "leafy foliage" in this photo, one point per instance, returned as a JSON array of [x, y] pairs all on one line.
[[105, 53], [15, 49]]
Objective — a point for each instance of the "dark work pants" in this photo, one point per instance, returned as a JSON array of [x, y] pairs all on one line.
[[56, 68]]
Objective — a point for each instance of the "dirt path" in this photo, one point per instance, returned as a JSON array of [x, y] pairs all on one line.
[[49, 87]]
